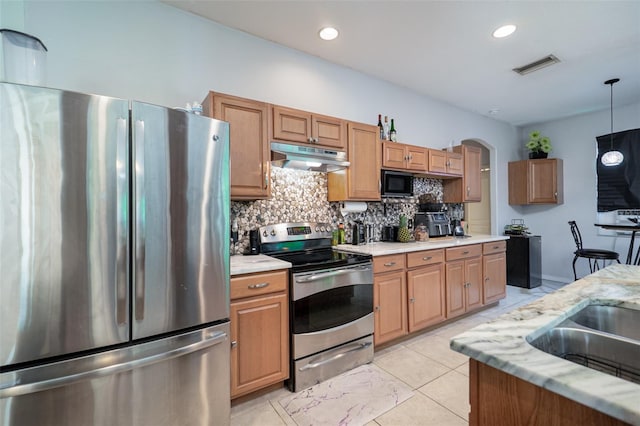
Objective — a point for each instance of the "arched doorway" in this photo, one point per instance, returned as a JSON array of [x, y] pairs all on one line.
[[478, 215]]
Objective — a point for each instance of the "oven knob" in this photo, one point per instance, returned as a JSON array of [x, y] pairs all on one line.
[[273, 232], [264, 234], [317, 229]]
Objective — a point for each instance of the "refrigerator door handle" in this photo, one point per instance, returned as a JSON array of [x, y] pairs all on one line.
[[122, 190], [140, 229], [25, 387]]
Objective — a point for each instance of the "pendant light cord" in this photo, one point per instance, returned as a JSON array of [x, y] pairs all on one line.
[[611, 83]]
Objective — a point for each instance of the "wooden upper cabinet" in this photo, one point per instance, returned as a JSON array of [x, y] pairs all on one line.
[[400, 156], [304, 127], [469, 187], [444, 163], [536, 182], [249, 143], [361, 180]]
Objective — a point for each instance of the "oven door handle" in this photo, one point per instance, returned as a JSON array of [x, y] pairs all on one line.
[[323, 275], [356, 347]]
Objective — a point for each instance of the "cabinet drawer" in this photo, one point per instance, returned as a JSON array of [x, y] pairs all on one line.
[[464, 252], [494, 247], [392, 262], [257, 284], [426, 257]]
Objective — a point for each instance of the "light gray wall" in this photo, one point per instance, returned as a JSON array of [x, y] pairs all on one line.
[[574, 141], [152, 52]]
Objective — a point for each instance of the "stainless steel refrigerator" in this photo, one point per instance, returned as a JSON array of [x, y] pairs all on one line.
[[114, 262]]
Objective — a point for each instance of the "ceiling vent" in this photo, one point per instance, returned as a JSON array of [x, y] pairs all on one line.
[[537, 65]]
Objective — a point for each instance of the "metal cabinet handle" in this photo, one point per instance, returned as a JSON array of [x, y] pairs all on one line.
[[377, 308], [266, 180], [427, 258], [390, 264], [468, 191], [412, 300], [234, 344], [486, 279], [465, 252], [257, 286]]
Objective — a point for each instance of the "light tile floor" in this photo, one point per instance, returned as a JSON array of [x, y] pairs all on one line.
[[438, 375]]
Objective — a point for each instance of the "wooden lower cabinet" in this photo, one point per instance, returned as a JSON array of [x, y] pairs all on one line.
[[390, 306], [500, 399], [426, 296], [464, 286], [420, 289], [494, 267], [259, 331]]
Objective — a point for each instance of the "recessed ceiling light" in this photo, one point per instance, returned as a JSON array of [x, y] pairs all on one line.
[[328, 33], [504, 31]]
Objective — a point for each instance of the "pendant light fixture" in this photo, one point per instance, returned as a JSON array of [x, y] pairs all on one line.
[[612, 157]]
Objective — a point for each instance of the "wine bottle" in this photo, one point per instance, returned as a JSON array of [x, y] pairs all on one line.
[[386, 128], [380, 127], [392, 132]]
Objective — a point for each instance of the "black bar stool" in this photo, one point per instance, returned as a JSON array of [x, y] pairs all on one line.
[[594, 255]]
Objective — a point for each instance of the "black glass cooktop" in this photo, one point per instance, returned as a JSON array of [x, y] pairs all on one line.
[[306, 260]]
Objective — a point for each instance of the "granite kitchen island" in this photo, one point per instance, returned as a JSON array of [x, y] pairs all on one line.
[[524, 385]]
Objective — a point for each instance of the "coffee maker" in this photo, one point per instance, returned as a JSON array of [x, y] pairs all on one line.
[[437, 223]]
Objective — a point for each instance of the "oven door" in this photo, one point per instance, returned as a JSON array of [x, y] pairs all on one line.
[[330, 307]]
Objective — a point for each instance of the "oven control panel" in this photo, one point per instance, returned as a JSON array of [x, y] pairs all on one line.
[[294, 232]]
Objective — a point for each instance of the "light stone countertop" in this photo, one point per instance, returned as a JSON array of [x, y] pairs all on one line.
[[240, 264], [501, 343], [383, 248]]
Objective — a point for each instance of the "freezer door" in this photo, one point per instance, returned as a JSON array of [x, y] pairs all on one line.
[[63, 222], [181, 380], [181, 220]]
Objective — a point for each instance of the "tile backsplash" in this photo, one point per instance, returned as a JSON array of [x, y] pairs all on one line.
[[301, 196]]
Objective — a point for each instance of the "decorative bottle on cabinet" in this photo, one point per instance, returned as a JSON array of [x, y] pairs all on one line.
[[380, 127], [392, 132]]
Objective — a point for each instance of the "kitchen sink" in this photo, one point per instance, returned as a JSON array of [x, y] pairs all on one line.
[[610, 319], [599, 337]]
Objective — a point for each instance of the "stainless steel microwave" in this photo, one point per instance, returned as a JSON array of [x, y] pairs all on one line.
[[396, 184]]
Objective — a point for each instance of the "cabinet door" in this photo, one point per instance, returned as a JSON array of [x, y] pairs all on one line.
[[329, 131], [456, 286], [394, 155], [472, 188], [361, 180], [417, 158], [495, 277], [543, 182], [291, 125], [260, 343], [249, 143], [469, 188], [437, 161], [473, 278], [455, 164], [390, 306], [426, 296]]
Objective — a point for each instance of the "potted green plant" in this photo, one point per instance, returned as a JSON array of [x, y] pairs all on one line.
[[539, 146]]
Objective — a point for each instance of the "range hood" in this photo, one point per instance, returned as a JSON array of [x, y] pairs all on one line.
[[290, 156]]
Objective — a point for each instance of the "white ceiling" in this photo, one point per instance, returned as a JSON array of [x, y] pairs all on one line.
[[444, 49]]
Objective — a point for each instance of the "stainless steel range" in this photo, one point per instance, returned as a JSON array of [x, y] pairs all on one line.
[[331, 302]]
